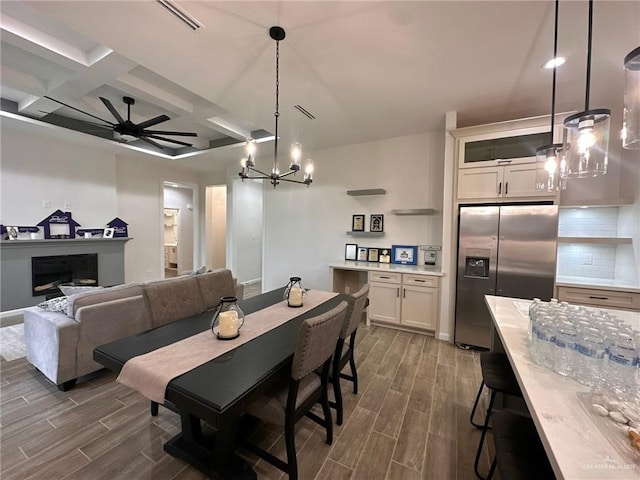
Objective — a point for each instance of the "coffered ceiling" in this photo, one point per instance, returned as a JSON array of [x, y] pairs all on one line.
[[365, 70]]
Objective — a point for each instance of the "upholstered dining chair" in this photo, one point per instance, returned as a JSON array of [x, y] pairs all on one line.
[[288, 401], [345, 349]]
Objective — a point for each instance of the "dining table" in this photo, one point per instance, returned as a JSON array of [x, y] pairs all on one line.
[[218, 391], [579, 444]]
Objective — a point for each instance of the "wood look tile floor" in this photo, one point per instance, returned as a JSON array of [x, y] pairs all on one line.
[[409, 421]]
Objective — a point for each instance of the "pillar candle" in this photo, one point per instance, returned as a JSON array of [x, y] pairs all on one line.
[[295, 297], [228, 323]]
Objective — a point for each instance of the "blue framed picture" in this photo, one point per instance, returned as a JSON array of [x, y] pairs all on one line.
[[404, 254]]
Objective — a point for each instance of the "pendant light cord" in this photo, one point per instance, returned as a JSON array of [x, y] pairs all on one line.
[[277, 112], [555, 68], [586, 95]]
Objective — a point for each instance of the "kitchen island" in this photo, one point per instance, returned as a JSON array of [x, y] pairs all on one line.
[[575, 446]]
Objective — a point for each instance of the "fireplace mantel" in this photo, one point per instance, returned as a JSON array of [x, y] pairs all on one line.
[[15, 262]]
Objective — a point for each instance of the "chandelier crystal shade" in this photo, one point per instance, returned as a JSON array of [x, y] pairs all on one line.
[[248, 162], [587, 131], [631, 116], [551, 159]]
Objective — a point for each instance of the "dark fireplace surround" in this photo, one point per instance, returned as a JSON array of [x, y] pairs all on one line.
[[47, 273]]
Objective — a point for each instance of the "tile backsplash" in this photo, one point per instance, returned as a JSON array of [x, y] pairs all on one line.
[[587, 260], [588, 222]]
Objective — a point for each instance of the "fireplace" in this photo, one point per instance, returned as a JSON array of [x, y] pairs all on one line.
[[49, 272]]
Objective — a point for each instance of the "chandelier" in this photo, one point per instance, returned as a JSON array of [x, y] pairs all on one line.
[[551, 158], [248, 162]]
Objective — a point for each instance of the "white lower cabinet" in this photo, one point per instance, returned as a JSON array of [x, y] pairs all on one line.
[[404, 299]]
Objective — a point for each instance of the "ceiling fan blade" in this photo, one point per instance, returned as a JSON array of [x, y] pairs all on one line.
[[155, 144], [153, 121], [78, 110], [112, 109], [146, 135], [177, 134]]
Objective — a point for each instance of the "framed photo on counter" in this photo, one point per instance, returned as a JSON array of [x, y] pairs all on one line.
[[362, 254], [384, 255], [373, 255], [108, 232], [351, 251], [357, 224], [404, 254]]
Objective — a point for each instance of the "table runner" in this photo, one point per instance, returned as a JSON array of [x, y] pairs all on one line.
[[150, 373]]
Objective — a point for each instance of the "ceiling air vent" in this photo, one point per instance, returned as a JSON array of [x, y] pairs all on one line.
[[304, 111], [181, 14]]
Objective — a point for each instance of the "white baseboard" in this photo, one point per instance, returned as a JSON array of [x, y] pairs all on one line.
[[445, 337], [251, 282], [12, 313]]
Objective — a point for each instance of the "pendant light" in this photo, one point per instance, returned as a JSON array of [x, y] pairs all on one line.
[[587, 131], [550, 158], [248, 162], [631, 120]]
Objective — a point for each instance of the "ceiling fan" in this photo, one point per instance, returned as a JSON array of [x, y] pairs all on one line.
[[138, 130]]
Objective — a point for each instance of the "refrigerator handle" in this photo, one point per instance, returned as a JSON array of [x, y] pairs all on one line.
[[500, 188]]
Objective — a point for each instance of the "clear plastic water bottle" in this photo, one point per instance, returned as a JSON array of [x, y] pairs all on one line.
[[565, 353], [546, 336], [533, 312], [590, 347], [623, 364]]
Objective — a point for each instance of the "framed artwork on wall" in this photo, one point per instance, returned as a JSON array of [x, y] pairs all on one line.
[[376, 223], [357, 224], [404, 254], [373, 255], [351, 251], [362, 254]]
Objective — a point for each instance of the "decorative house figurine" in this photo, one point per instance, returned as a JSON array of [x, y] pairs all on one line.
[[59, 225], [119, 226]]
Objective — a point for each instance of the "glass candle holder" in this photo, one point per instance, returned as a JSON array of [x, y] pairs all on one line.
[[294, 292], [228, 319]]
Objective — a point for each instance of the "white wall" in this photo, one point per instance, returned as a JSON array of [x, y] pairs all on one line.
[[97, 183], [245, 226], [305, 228]]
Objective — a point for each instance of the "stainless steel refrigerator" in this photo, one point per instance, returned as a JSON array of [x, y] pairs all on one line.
[[503, 250]]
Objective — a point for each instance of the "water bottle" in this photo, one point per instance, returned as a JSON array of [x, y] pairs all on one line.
[[623, 363], [546, 341], [591, 350], [565, 353], [533, 311]]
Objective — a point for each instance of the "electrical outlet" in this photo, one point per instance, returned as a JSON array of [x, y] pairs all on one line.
[[66, 205], [587, 259], [46, 204], [347, 289]]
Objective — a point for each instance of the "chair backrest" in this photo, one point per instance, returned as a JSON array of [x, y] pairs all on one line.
[[215, 285], [172, 299], [354, 311], [317, 341]]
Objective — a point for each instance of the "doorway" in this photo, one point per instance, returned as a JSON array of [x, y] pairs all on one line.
[[179, 229]]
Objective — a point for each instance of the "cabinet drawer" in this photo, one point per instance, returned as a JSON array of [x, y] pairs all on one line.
[[421, 280], [600, 298], [385, 277]]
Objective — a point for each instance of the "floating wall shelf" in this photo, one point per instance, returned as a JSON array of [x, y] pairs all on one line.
[[370, 191], [597, 240], [414, 211], [365, 234]]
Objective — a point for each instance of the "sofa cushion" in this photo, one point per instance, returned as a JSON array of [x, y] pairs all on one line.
[[171, 300], [214, 285], [80, 300], [58, 304]]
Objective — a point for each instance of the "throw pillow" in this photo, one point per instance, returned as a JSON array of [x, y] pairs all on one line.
[[58, 304], [69, 290], [199, 271]]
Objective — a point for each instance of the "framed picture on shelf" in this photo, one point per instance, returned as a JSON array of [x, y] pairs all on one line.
[[377, 223], [373, 255], [351, 251], [108, 232], [362, 254], [404, 254], [357, 224], [384, 255]]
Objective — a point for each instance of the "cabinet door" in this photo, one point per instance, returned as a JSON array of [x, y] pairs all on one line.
[[520, 181], [419, 307], [480, 182], [384, 302]]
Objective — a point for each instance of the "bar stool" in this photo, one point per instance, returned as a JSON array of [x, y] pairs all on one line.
[[498, 377], [519, 451]]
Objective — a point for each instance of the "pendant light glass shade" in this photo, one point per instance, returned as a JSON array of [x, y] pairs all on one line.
[[551, 164], [631, 117], [588, 139]]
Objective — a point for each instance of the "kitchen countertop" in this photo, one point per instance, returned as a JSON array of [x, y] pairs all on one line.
[[596, 283], [575, 446], [387, 267]]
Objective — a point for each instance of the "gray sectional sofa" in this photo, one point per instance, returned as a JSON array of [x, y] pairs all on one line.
[[60, 344]]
